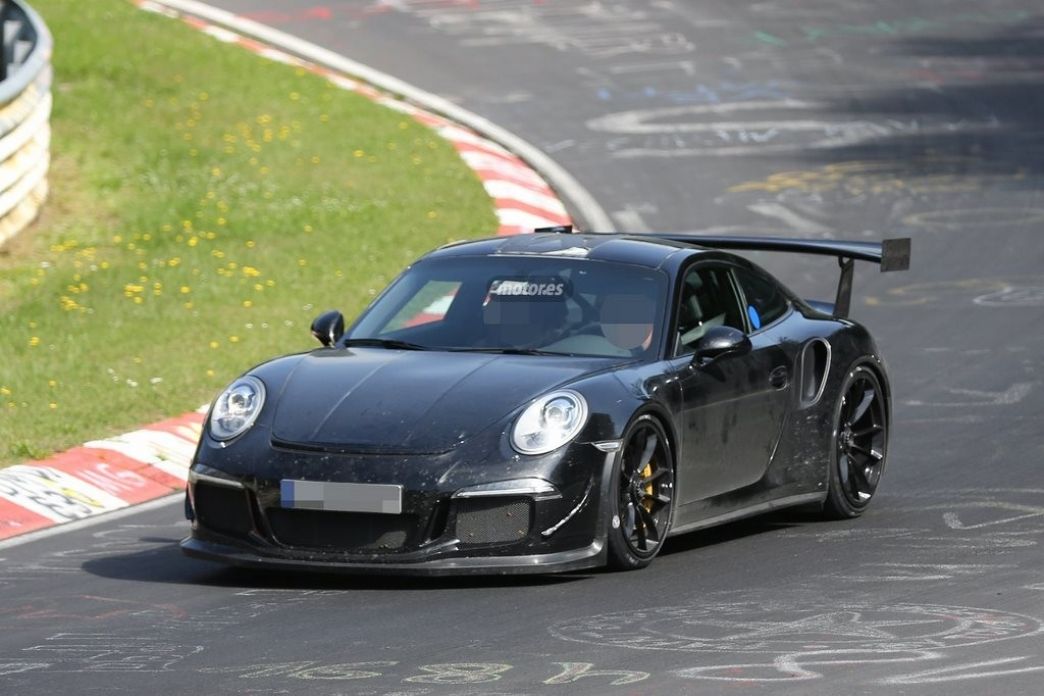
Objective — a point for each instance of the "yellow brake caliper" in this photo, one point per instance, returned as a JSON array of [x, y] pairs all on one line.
[[646, 473]]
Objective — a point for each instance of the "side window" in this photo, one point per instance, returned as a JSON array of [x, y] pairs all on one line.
[[706, 300], [764, 302]]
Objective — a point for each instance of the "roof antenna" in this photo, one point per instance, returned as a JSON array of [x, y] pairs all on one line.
[[557, 229]]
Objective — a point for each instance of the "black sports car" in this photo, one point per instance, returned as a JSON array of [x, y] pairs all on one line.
[[544, 403]]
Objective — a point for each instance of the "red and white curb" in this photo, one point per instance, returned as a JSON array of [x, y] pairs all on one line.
[[101, 476], [107, 475]]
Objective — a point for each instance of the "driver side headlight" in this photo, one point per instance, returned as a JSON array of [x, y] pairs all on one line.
[[237, 408], [549, 422]]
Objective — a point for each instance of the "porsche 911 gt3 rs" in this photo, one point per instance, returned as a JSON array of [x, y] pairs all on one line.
[[544, 403]]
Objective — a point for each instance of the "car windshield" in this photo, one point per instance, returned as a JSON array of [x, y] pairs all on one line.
[[520, 304]]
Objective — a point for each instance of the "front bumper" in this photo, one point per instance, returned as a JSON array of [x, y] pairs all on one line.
[[557, 562], [240, 519]]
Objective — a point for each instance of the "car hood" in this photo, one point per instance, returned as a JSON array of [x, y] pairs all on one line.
[[381, 400]]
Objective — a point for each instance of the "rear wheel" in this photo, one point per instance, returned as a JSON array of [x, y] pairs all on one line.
[[860, 444], [642, 495]]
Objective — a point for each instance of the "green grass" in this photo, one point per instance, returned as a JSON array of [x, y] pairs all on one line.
[[205, 205]]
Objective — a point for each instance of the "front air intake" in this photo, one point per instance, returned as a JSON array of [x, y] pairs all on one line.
[[493, 520]]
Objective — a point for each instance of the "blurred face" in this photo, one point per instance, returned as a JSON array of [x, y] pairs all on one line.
[[524, 322], [627, 320]]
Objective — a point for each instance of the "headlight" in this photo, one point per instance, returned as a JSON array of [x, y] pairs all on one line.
[[549, 422], [237, 408]]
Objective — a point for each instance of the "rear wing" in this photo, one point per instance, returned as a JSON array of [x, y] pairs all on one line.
[[890, 254]]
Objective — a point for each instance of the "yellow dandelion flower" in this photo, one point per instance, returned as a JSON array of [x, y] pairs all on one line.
[[213, 344], [251, 272], [259, 287], [250, 244], [117, 239], [359, 153], [138, 299], [233, 339], [294, 96], [210, 373], [52, 405], [302, 262], [4, 391], [248, 304], [185, 289]]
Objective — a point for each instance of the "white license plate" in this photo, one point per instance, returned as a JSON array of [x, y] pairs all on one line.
[[341, 497]]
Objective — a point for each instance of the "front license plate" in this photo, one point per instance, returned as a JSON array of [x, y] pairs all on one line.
[[341, 497]]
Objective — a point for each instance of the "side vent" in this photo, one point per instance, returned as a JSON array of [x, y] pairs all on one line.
[[815, 365]]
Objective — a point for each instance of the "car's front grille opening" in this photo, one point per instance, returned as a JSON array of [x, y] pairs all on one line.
[[351, 532], [222, 509], [493, 520], [437, 520]]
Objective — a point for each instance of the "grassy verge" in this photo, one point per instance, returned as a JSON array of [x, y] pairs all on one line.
[[205, 205]]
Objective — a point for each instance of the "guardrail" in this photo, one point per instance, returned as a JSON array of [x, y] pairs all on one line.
[[25, 110]]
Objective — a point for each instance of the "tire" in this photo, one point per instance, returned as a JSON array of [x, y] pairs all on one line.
[[860, 444], [642, 495]]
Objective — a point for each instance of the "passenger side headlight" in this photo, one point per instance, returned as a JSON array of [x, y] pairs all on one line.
[[237, 408]]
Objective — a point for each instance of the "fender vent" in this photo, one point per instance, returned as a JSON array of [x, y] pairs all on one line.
[[815, 365]]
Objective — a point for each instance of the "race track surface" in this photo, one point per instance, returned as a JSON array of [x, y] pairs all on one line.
[[864, 119]]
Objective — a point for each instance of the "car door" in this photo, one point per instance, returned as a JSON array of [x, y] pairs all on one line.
[[730, 419]]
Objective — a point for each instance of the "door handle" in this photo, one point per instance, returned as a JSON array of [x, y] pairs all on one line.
[[779, 377]]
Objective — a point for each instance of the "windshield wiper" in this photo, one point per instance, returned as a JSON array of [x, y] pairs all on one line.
[[383, 343], [508, 351]]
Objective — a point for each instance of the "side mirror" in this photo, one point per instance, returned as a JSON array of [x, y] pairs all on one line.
[[328, 327], [720, 341]]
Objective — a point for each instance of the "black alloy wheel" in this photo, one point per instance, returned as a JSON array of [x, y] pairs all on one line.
[[860, 444], [642, 495]]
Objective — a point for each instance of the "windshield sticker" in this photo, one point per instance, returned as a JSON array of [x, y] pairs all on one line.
[[530, 288]]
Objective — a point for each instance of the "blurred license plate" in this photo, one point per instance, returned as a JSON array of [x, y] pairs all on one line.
[[341, 497]]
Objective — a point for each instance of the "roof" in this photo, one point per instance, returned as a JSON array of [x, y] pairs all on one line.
[[620, 248]]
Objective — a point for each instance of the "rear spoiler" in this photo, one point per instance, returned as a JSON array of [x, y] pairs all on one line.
[[890, 254]]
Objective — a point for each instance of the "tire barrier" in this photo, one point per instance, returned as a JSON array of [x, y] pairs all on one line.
[[25, 110]]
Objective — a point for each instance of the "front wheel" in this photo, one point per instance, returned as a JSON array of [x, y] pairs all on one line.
[[641, 496], [860, 445]]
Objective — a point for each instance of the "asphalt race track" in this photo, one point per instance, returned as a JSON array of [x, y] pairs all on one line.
[[864, 119]]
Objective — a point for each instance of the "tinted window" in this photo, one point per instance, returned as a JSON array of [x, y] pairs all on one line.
[[707, 299], [559, 305], [764, 301]]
